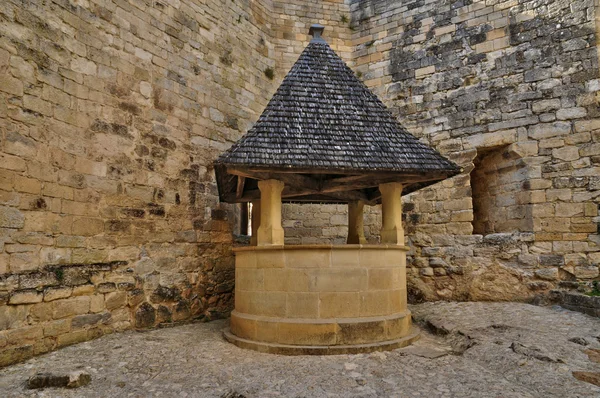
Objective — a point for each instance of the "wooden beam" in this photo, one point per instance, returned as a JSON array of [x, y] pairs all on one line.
[[344, 188], [351, 195], [241, 181], [339, 180], [374, 196], [341, 173], [370, 182], [296, 180]]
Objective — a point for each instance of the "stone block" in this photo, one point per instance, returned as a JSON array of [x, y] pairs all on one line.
[[571, 113], [266, 303], [544, 106], [549, 130], [70, 241], [25, 297], [246, 328], [4, 260], [273, 279], [10, 85], [115, 300], [344, 258], [145, 316], [550, 274], [245, 259], [88, 320], [586, 272], [55, 293], [398, 300], [488, 140], [398, 327], [307, 333], [302, 305], [74, 337], [339, 280], [566, 153], [252, 279], [308, 258], [299, 280], [88, 226], [55, 328], [16, 354], [374, 303], [270, 259], [70, 307], [83, 290], [524, 149], [24, 335], [97, 303], [339, 305], [23, 262], [362, 332], [424, 71], [381, 278], [11, 218], [84, 66], [40, 312], [569, 209]]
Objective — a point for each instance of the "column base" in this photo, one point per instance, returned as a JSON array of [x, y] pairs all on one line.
[[287, 349]]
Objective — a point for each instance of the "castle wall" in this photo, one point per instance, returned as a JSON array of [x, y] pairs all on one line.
[[111, 113], [509, 90]]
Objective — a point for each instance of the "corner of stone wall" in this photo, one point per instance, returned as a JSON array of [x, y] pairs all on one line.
[[111, 114], [516, 106]]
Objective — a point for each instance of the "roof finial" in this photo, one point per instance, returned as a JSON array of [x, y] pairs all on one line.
[[316, 30]]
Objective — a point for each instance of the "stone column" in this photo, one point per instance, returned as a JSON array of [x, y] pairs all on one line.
[[270, 231], [255, 221], [392, 231], [356, 230]]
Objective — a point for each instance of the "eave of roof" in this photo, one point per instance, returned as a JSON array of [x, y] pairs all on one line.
[[324, 121]]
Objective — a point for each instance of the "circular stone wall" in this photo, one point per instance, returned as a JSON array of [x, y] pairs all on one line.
[[321, 299]]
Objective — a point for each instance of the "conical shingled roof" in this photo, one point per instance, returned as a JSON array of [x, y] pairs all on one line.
[[323, 119]]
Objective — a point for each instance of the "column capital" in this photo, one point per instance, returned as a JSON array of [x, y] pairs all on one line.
[[274, 185]]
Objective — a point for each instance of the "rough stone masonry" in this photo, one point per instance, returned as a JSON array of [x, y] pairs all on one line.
[[510, 91], [112, 111], [111, 114]]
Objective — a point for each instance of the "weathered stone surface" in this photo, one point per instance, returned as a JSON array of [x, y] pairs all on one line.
[[103, 162], [588, 377], [547, 273], [52, 294], [78, 379], [145, 316], [11, 218], [493, 326], [71, 380], [45, 380], [534, 352], [81, 321], [25, 297]]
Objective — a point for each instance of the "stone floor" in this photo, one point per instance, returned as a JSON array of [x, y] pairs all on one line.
[[478, 350]]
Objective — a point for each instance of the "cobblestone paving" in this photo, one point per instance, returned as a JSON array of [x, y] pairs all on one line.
[[512, 350]]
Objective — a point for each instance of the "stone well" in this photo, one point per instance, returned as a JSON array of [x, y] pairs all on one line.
[[324, 138], [322, 299]]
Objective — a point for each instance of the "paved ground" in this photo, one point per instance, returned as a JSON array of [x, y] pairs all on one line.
[[508, 350]]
